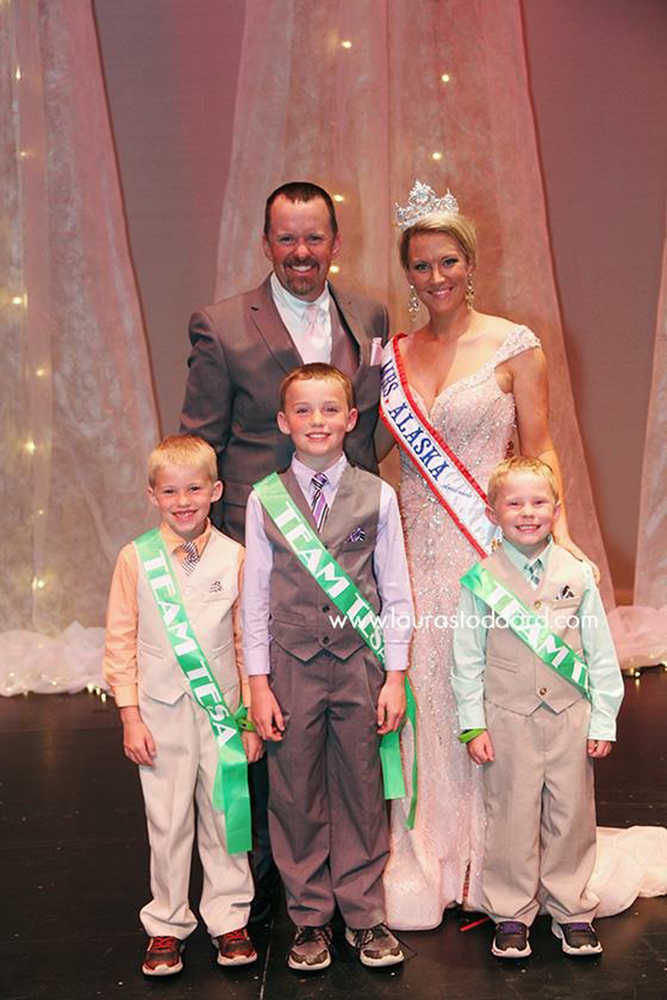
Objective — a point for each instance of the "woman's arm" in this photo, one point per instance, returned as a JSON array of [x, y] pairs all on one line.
[[530, 388]]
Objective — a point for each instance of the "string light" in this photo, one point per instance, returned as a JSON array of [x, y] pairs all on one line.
[[339, 197], [445, 77], [18, 74], [40, 372], [347, 44], [38, 583], [436, 156], [19, 300], [23, 155], [30, 447], [334, 269]]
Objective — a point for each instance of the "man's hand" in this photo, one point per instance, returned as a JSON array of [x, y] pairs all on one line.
[[138, 742], [481, 748], [566, 542], [391, 702], [266, 712], [599, 748]]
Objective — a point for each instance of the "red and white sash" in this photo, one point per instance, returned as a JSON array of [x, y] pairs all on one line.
[[453, 485]]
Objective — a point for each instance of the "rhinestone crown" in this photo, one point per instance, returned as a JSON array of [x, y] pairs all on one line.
[[424, 201]]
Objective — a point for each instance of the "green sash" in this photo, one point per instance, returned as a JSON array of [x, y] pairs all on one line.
[[529, 627], [230, 790], [344, 593]]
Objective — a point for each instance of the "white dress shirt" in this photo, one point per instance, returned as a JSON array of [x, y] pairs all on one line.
[[312, 343], [389, 565]]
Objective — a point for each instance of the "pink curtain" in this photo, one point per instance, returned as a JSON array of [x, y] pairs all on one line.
[[640, 631], [77, 401], [364, 98]]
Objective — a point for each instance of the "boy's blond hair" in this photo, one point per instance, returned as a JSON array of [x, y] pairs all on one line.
[[321, 372], [183, 450], [519, 463]]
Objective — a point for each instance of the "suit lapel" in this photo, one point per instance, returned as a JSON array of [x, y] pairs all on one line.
[[350, 318], [266, 319]]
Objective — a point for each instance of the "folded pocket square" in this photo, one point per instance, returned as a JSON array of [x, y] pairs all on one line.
[[215, 587], [358, 535], [564, 592]]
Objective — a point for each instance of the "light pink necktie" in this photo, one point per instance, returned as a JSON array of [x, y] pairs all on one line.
[[317, 335]]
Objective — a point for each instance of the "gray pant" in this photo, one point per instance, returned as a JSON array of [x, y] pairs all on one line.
[[327, 816]]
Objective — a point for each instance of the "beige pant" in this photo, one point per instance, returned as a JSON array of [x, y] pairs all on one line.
[[182, 775], [540, 815]]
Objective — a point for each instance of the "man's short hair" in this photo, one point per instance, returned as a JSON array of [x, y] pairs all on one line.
[[301, 191], [183, 450], [519, 463], [321, 372]]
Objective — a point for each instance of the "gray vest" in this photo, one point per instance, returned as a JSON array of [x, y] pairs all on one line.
[[300, 610], [515, 678]]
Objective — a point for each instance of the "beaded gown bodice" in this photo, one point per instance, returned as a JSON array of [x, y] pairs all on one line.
[[427, 866]]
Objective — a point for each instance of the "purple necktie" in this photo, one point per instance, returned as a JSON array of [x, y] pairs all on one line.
[[318, 502]]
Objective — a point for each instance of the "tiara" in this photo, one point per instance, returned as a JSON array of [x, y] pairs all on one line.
[[423, 201]]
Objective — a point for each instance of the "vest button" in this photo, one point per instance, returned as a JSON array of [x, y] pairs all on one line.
[[325, 640], [537, 604], [542, 692], [325, 608]]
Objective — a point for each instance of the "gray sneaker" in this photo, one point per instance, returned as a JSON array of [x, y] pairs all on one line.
[[311, 949], [375, 946]]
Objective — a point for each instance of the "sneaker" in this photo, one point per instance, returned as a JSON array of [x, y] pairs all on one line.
[[311, 949], [375, 946], [578, 938], [236, 948], [510, 940], [163, 957]]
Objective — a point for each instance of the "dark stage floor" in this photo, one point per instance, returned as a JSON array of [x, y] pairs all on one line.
[[74, 873]]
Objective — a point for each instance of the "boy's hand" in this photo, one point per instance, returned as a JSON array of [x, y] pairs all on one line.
[[253, 744], [599, 748], [391, 702], [138, 742], [266, 712], [481, 748]]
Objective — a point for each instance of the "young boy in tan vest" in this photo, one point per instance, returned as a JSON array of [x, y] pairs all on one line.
[[534, 714], [321, 698], [166, 731]]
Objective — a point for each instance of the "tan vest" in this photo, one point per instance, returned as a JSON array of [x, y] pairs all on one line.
[[515, 678], [300, 610], [208, 594]]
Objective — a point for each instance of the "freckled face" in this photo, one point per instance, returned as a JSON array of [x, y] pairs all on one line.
[[438, 269], [301, 245], [317, 418]]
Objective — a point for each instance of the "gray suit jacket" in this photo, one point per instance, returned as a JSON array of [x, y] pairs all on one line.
[[241, 351]]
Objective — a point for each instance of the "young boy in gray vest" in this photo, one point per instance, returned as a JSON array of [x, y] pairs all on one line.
[[538, 688], [321, 698], [166, 731]]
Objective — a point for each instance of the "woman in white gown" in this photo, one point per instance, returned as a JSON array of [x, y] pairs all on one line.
[[474, 380]]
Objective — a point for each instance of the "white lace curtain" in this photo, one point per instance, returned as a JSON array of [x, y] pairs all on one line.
[[365, 97], [78, 416]]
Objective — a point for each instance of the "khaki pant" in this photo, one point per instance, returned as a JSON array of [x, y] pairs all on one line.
[[540, 815], [184, 773]]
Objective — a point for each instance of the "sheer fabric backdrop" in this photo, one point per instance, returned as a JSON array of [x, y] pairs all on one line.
[[364, 98], [640, 631], [78, 410]]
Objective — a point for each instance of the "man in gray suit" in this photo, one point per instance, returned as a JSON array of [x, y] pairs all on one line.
[[243, 347]]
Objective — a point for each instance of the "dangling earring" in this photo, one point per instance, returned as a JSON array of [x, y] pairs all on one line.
[[413, 302], [470, 291]]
